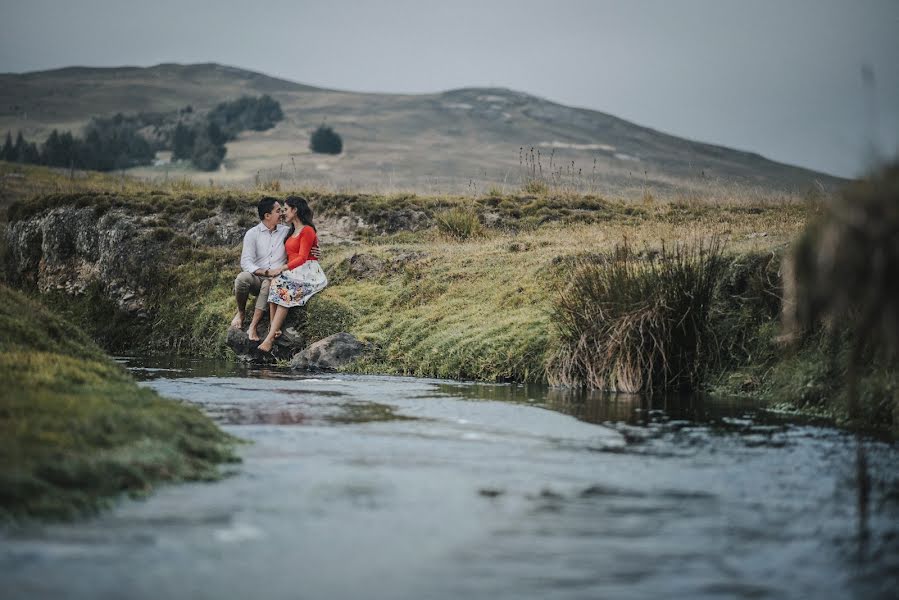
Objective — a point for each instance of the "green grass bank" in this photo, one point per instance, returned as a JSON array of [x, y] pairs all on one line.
[[76, 431]]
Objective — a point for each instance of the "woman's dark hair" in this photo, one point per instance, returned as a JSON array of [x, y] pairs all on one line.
[[265, 206], [304, 213]]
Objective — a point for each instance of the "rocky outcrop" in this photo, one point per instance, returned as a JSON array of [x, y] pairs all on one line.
[[330, 353], [70, 248]]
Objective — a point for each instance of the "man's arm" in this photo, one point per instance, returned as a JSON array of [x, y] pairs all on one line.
[[248, 254]]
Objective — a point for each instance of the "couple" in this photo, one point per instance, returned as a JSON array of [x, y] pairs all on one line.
[[280, 265]]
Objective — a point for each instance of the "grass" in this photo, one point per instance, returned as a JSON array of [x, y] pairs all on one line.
[[476, 306], [637, 323], [76, 431], [458, 223]]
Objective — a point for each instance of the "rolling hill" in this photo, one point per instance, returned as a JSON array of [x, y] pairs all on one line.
[[455, 141]]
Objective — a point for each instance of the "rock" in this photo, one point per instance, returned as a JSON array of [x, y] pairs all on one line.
[[238, 341], [330, 353], [363, 266], [493, 219], [289, 343], [339, 230]]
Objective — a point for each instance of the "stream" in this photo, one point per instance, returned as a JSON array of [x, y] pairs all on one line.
[[359, 486]]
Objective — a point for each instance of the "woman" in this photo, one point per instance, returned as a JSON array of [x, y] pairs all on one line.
[[302, 276]]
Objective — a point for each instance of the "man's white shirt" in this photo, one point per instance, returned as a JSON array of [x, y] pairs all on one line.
[[263, 248]]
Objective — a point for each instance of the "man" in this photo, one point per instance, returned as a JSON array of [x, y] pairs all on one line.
[[263, 252]]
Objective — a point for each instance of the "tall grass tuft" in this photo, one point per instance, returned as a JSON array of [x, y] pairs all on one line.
[[637, 322], [459, 223]]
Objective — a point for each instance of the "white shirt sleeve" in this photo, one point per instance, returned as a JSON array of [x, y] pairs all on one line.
[[248, 254]]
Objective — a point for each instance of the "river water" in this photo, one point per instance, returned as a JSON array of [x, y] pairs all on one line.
[[386, 487]]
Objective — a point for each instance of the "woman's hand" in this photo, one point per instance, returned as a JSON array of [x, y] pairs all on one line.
[[316, 252]]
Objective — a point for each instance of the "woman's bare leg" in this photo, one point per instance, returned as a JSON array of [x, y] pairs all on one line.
[[271, 317], [274, 328]]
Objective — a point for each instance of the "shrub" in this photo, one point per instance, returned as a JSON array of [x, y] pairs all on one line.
[[458, 223], [632, 324], [325, 140]]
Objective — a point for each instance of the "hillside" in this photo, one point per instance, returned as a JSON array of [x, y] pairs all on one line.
[[462, 140]]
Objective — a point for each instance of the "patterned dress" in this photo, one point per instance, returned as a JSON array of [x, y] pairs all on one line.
[[304, 276]]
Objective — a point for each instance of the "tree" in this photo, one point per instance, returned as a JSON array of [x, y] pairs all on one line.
[[183, 142], [215, 134], [60, 150], [207, 154], [8, 151], [326, 141], [31, 154], [19, 148]]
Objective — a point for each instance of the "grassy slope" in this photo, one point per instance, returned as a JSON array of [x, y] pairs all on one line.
[[476, 309], [482, 308], [75, 430]]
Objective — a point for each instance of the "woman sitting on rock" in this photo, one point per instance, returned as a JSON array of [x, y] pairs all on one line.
[[302, 276]]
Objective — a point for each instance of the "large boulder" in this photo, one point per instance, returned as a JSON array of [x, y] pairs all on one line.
[[329, 353]]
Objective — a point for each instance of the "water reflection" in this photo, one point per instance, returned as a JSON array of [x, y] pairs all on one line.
[[603, 407], [589, 406], [174, 367]]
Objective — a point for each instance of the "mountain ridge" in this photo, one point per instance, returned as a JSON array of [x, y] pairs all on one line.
[[444, 141]]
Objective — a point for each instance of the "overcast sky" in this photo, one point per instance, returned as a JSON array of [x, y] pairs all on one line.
[[778, 77]]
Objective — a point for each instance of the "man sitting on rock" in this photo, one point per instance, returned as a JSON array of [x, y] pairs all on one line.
[[263, 252]]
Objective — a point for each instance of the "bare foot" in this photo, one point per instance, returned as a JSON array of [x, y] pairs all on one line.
[[237, 321], [251, 333], [263, 348], [277, 334]]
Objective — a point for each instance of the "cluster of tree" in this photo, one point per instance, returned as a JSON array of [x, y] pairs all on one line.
[[203, 141], [257, 114], [326, 141], [203, 144], [126, 141], [108, 144], [21, 151]]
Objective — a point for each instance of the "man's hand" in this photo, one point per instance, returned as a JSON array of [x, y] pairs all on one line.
[[316, 252]]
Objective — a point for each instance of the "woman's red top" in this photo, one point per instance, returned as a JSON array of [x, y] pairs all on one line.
[[299, 246]]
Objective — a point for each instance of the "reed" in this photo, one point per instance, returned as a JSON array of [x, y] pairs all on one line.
[[637, 322]]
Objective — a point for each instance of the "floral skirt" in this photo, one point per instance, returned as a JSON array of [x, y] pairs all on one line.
[[296, 286]]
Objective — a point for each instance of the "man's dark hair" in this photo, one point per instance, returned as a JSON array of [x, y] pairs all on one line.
[[265, 206]]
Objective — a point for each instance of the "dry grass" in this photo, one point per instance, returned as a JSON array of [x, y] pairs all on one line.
[[459, 223], [636, 322], [476, 308]]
